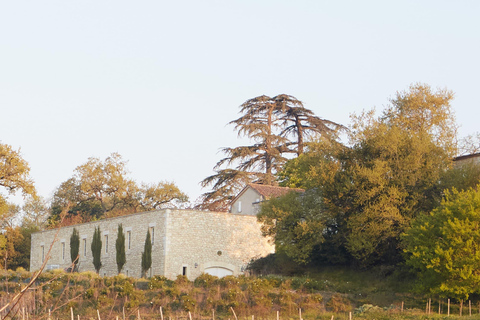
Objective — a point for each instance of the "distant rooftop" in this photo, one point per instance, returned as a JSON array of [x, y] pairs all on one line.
[[467, 156], [272, 191]]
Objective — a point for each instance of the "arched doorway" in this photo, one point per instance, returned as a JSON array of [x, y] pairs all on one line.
[[219, 271]]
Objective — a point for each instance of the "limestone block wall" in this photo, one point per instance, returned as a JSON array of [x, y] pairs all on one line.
[[184, 241], [199, 240], [135, 228]]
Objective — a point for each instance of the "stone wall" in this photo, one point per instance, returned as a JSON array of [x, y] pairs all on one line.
[[184, 241], [201, 240], [135, 226]]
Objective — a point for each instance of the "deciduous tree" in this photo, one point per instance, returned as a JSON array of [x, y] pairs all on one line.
[[102, 189], [35, 213], [161, 195], [14, 171], [391, 172], [443, 246], [295, 222], [14, 176]]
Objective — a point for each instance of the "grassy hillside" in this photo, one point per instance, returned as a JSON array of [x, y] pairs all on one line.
[[374, 294]]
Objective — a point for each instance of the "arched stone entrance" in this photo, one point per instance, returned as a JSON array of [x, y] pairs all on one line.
[[219, 269]]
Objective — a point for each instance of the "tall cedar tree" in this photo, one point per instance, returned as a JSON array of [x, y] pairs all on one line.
[[97, 249], [278, 126], [74, 247], [120, 246], [147, 255]]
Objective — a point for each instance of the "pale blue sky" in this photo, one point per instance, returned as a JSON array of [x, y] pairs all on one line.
[[157, 81]]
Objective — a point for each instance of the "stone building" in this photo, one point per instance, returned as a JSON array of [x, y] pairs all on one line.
[[184, 242], [473, 158], [249, 199]]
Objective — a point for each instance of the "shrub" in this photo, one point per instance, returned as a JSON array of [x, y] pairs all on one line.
[[205, 280], [339, 303]]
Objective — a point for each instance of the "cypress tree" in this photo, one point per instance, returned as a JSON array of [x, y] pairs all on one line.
[[120, 246], [97, 249], [147, 255], [74, 248]]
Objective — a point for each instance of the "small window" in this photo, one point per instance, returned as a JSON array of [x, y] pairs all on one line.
[[84, 247], [106, 243], [184, 271], [129, 240], [63, 251], [152, 234], [43, 253], [239, 206]]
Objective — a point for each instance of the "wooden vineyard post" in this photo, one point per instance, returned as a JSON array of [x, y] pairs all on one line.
[[278, 315], [71, 314], [234, 314], [161, 313], [470, 308], [300, 313], [401, 310], [448, 308]]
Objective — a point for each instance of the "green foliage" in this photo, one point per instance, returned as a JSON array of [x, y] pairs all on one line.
[[295, 222], [462, 176], [97, 249], [14, 174], [205, 280], [101, 189], [339, 303], [390, 173], [147, 254], [259, 296], [121, 257], [75, 246], [16, 252], [35, 213], [160, 282], [444, 246]]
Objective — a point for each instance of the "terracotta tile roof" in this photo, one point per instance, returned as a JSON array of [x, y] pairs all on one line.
[[272, 191]]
